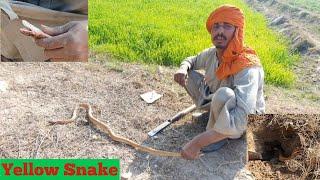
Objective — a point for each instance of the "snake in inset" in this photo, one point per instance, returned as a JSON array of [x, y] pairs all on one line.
[[106, 129]]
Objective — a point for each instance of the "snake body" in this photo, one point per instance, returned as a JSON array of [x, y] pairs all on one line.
[[106, 129]]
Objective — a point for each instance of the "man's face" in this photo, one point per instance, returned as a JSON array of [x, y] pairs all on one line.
[[221, 34]]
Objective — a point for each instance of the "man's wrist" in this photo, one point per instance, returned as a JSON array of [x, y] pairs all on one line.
[[197, 142], [208, 137], [183, 71]]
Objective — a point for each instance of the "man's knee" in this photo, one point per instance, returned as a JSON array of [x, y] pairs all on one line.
[[194, 76], [193, 81], [193, 84], [222, 95]]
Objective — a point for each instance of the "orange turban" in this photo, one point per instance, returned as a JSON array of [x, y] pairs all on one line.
[[235, 57]]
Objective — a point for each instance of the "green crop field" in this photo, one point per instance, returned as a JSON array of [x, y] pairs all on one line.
[[167, 31]]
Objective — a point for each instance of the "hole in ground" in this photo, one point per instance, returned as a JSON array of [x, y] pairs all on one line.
[[268, 143]]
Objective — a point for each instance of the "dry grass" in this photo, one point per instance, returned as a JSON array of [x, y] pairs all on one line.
[[39, 92], [308, 128], [303, 166]]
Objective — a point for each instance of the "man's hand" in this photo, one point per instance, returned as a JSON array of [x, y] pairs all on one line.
[[180, 77], [68, 42], [191, 150]]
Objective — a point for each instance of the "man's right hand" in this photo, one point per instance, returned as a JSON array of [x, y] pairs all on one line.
[[180, 77]]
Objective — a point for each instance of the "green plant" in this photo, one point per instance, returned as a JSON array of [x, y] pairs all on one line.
[[165, 32]]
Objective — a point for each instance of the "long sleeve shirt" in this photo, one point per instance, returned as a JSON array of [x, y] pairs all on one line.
[[247, 84]]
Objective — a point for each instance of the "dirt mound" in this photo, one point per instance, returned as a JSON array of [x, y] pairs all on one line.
[[284, 146], [300, 25], [302, 28]]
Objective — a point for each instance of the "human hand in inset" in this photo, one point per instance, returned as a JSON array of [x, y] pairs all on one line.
[[68, 42]]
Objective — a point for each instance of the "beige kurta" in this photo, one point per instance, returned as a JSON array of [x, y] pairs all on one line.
[[229, 100], [14, 45]]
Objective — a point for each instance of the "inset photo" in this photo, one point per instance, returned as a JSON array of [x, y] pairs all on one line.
[[44, 31], [284, 146]]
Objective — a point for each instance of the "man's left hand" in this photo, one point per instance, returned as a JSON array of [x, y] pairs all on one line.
[[191, 151]]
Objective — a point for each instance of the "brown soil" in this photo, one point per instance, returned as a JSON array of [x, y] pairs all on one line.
[[284, 146], [299, 24]]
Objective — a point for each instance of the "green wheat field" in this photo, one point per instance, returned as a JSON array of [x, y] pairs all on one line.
[[165, 32]]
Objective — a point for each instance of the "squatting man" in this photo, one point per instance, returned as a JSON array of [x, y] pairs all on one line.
[[232, 86]]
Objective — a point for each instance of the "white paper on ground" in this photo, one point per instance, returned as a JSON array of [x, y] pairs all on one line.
[[3, 86], [150, 97]]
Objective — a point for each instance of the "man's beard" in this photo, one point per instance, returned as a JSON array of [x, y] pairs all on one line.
[[216, 38], [220, 47]]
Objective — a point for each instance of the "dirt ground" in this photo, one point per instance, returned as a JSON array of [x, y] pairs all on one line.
[[33, 93], [36, 93], [288, 146]]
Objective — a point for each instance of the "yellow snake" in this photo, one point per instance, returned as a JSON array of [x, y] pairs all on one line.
[[105, 128]]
